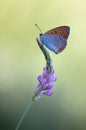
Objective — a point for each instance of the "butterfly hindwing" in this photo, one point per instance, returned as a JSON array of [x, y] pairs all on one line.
[[55, 42]]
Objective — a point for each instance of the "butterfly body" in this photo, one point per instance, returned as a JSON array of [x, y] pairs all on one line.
[[55, 39]]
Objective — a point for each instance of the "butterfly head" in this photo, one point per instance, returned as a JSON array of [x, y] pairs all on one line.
[[40, 34]]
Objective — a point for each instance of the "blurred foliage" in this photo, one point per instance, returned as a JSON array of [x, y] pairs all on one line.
[[21, 61]]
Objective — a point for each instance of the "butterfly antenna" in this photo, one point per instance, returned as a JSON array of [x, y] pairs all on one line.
[[38, 28]]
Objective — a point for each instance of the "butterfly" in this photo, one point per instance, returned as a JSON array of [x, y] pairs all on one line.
[[55, 39]]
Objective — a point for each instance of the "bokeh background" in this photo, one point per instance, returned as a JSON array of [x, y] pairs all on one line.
[[21, 61]]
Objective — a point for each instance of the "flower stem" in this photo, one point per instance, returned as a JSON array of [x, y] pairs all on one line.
[[47, 56], [23, 115]]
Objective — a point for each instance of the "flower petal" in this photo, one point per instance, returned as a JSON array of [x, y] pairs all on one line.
[[45, 72], [38, 89], [50, 85], [46, 83], [41, 80], [48, 93], [51, 78]]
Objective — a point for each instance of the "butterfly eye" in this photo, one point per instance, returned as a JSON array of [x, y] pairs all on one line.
[[41, 34]]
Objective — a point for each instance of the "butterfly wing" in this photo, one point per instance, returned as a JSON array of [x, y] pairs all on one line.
[[62, 30], [54, 42]]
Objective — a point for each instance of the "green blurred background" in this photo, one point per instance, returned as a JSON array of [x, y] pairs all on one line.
[[21, 61]]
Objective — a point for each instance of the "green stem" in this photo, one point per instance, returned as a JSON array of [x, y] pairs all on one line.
[[23, 115], [46, 54], [49, 67]]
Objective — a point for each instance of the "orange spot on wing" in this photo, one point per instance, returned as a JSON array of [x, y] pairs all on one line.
[[63, 31]]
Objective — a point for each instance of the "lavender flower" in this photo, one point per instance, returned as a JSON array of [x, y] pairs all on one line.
[[46, 83]]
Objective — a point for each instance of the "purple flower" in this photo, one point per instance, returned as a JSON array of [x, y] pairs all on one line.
[[46, 83]]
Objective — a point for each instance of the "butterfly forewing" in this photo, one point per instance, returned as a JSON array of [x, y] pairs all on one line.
[[62, 31]]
